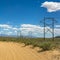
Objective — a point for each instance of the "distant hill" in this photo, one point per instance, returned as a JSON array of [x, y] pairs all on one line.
[[57, 37], [5, 35]]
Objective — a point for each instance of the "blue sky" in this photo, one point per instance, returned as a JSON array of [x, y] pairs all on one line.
[[24, 11], [18, 12]]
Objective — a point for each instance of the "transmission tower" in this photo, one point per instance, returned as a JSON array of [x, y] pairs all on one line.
[[52, 24], [30, 34]]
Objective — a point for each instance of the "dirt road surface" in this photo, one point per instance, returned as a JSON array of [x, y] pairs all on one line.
[[15, 51]]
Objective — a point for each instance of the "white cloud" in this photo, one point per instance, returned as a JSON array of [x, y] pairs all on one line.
[[57, 26], [57, 31], [51, 6], [32, 28], [8, 29], [5, 29], [37, 30], [14, 28], [26, 29], [9, 33], [5, 26]]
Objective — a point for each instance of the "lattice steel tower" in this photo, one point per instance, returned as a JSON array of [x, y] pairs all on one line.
[[51, 24]]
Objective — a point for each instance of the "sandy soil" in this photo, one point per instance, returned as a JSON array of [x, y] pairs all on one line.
[[15, 51]]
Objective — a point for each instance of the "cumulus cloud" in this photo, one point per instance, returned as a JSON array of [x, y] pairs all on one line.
[[57, 31], [29, 29], [57, 26], [51, 6], [8, 29], [5, 26], [37, 30], [26, 30]]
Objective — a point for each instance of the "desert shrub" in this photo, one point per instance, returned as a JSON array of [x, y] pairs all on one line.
[[27, 43], [34, 45], [4, 40], [46, 46]]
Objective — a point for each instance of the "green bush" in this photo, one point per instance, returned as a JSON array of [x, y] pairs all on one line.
[[46, 46], [4, 40]]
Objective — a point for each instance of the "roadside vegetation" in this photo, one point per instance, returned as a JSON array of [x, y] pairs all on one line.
[[48, 44]]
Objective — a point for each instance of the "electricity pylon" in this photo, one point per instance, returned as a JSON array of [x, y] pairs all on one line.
[[52, 24]]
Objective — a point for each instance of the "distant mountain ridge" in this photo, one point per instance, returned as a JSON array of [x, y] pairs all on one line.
[[57, 37]]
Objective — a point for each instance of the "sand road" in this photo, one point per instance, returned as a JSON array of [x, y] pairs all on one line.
[[15, 51]]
